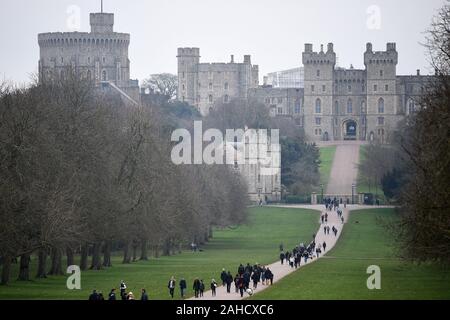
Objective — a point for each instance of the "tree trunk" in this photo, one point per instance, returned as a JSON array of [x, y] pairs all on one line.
[[84, 257], [210, 232], [24, 271], [56, 257], [6, 270], [107, 254], [144, 250], [70, 256], [127, 252], [156, 251], [135, 246], [166, 248], [42, 263], [180, 248], [96, 260]]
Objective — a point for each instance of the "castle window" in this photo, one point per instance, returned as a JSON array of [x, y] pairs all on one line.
[[318, 73], [318, 106], [381, 73], [89, 75], [349, 106], [210, 98], [312, 88], [297, 106], [183, 75], [226, 99], [62, 60], [184, 87], [336, 107], [226, 86], [104, 60], [323, 88], [349, 88], [280, 110], [318, 121], [363, 107], [280, 100], [363, 88], [381, 105], [375, 87], [386, 88], [104, 75], [210, 86]]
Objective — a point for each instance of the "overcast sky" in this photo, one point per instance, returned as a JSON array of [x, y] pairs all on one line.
[[273, 32]]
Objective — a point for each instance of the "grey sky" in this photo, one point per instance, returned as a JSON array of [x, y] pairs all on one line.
[[273, 32]]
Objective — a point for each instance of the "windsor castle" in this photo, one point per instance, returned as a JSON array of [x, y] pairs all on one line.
[[333, 104]]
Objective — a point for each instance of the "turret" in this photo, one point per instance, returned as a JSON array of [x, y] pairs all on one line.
[[102, 22]]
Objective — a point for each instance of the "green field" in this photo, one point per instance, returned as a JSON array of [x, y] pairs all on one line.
[[342, 274], [326, 161], [256, 242]]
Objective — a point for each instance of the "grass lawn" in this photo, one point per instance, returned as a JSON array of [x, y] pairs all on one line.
[[326, 158], [342, 275], [256, 242]]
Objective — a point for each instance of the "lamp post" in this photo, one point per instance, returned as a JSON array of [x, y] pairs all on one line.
[[321, 186], [353, 193]]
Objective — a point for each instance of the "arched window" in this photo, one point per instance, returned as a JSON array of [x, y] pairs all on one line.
[[210, 86], [226, 86], [104, 76], [210, 98], [318, 106], [336, 107], [349, 106], [381, 105]]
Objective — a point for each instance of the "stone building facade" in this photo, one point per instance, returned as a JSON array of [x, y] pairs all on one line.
[[204, 84], [351, 104], [100, 56]]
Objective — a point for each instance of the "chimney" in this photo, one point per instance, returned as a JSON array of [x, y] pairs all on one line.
[[232, 58], [418, 72]]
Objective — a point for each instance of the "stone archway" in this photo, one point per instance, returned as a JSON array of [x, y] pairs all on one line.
[[350, 129]]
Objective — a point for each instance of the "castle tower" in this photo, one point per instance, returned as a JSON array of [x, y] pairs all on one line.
[[102, 22], [318, 96], [381, 90], [188, 61]]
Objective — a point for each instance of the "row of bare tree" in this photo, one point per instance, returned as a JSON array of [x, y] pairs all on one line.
[[82, 176]]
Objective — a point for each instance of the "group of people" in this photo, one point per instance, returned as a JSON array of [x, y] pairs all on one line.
[[124, 295], [293, 258]]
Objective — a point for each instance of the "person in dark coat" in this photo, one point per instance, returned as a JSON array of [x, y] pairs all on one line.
[[171, 286], [123, 290], [202, 288], [183, 287], [93, 296], [112, 295], [144, 295], [229, 281], [269, 275], [223, 277], [196, 287], [282, 256], [214, 287], [324, 245], [241, 269], [241, 285]]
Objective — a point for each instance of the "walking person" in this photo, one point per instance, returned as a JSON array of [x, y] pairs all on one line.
[[229, 281], [112, 295], [223, 277], [144, 295], [196, 287], [202, 288], [123, 288], [214, 286], [183, 287], [282, 256], [269, 275], [255, 278], [236, 283], [324, 245], [171, 286], [241, 285]]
